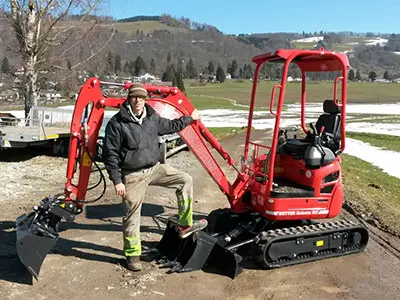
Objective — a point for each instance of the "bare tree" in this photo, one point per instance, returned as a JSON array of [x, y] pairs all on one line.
[[54, 35]]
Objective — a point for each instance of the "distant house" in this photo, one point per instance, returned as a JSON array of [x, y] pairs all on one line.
[[51, 95], [17, 83], [19, 71], [147, 78], [291, 79]]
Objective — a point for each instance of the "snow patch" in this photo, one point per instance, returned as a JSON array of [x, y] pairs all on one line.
[[376, 41], [310, 39], [378, 157]]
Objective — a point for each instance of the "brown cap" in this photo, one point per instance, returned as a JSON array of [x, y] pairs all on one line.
[[137, 90]]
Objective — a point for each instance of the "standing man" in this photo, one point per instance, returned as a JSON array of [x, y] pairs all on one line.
[[131, 155]]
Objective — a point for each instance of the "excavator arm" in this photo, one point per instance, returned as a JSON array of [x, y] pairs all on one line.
[[37, 232]]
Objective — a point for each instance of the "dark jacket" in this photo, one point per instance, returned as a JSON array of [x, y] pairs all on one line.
[[129, 146]]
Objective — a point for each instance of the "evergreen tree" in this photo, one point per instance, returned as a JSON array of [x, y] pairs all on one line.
[[169, 57], [240, 73], [191, 70], [140, 66], [178, 82], [169, 74], [234, 68], [249, 71], [220, 76], [386, 75], [5, 66], [351, 74], [278, 72], [229, 68], [211, 67], [117, 64], [372, 75], [358, 75], [127, 69], [152, 66], [263, 73], [244, 71], [109, 63]]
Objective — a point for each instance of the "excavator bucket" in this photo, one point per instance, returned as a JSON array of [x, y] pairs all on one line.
[[196, 252], [37, 232], [34, 241]]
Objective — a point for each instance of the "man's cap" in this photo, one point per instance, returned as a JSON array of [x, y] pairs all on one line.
[[137, 90]]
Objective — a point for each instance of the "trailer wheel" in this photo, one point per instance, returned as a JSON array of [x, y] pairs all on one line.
[[60, 147]]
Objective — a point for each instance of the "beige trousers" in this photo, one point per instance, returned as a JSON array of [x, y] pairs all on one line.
[[136, 184]]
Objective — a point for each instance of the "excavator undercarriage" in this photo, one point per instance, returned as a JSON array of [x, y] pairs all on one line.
[[231, 238]]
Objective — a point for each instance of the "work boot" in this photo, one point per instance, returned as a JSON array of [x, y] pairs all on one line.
[[184, 232], [133, 263]]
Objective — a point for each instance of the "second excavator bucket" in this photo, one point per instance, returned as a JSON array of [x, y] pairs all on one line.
[[196, 252], [33, 244]]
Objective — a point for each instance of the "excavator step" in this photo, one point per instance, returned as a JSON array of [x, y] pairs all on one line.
[[294, 245]]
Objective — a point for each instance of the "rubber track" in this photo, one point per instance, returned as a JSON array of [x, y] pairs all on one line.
[[269, 237]]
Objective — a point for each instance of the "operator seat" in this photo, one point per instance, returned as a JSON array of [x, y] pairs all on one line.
[[331, 120]]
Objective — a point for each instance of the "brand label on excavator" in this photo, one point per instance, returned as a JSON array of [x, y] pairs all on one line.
[[297, 212]]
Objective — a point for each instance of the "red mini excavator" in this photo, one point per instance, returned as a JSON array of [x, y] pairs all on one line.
[[280, 190]]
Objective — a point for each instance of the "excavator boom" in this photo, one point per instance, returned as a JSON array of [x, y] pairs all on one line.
[[37, 232]]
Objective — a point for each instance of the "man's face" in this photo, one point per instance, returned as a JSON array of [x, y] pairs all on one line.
[[137, 104]]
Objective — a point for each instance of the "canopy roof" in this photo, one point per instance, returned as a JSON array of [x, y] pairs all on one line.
[[307, 60]]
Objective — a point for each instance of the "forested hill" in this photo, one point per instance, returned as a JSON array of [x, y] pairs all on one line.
[[161, 41]]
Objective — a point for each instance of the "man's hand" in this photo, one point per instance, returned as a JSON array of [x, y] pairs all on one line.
[[195, 114], [120, 189]]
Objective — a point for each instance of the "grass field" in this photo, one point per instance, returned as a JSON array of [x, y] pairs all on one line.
[[383, 141], [224, 95], [218, 95], [223, 132], [367, 185], [376, 191]]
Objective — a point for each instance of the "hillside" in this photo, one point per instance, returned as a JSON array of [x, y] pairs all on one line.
[[179, 41]]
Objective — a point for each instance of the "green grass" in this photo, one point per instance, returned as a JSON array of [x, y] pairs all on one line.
[[240, 91], [216, 95], [383, 141], [376, 191], [223, 132], [211, 102]]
